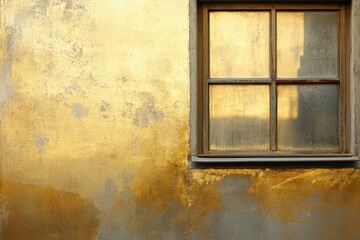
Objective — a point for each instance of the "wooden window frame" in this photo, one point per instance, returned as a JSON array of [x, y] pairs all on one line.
[[204, 80]]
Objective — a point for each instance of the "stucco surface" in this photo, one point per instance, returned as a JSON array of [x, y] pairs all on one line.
[[94, 114]]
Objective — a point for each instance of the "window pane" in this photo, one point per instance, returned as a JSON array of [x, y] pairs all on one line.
[[308, 117], [307, 45], [239, 117], [239, 44]]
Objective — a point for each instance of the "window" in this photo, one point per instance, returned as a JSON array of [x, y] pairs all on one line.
[[273, 80]]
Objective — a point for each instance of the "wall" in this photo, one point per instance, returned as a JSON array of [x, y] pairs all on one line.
[[94, 111]]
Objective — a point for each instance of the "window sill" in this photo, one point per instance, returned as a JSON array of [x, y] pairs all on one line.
[[274, 162], [224, 159]]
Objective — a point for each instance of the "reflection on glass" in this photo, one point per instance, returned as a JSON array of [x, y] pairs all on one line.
[[307, 45], [239, 117], [311, 120], [239, 44]]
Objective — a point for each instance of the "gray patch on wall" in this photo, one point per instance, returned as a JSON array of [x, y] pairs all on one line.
[[78, 110], [105, 198], [6, 87], [40, 144], [147, 112], [13, 35], [6, 91], [69, 4]]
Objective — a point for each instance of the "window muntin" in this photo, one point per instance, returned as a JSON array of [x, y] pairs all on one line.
[[315, 121]]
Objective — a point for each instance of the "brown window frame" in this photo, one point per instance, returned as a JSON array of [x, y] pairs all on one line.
[[204, 80]]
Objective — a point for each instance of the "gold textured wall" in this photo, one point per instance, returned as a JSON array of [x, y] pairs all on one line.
[[94, 111]]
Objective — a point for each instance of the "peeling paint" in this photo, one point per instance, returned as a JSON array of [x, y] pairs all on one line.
[[69, 4], [6, 87], [147, 112], [78, 110], [40, 144]]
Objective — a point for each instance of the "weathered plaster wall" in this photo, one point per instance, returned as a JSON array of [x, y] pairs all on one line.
[[94, 111]]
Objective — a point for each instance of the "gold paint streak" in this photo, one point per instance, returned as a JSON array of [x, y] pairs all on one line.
[[168, 194], [283, 193], [208, 176]]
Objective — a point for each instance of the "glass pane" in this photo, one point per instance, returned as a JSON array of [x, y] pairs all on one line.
[[308, 117], [307, 45], [239, 44], [239, 117]]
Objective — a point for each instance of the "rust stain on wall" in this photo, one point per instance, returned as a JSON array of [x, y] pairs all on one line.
[[34, 212]]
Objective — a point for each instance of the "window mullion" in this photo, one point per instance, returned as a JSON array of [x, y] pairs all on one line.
[[273, 98], [342, 89]]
